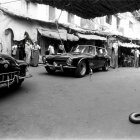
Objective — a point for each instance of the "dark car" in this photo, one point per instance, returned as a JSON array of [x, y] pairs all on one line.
[[12, 71], [81, 60]]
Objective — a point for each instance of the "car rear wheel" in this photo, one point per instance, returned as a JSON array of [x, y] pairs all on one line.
[[50, 71], [106, 66], [81, 69], [16, 84]]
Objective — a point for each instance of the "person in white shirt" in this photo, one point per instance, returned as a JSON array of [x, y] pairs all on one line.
[[14, 49], [136, 54], [51, 49]]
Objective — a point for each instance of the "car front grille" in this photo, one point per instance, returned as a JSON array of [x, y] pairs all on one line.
[[8, 77], [58, 61]]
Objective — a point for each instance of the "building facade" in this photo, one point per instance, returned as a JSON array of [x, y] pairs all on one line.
[[120, 24], [124, 24]]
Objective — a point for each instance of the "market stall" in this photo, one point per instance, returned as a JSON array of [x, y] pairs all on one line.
[[126, 54]]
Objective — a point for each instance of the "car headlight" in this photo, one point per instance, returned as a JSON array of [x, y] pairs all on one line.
[[69, 61]]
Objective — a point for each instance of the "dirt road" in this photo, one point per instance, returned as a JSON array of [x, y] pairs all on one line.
[[61, 106]]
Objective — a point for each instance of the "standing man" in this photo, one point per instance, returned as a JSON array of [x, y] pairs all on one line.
[[115, 47], [136, 58], [51, 49]]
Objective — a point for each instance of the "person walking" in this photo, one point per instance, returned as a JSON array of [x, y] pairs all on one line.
[[136, 55]]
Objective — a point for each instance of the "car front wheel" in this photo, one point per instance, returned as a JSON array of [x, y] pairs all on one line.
[[81, 69]]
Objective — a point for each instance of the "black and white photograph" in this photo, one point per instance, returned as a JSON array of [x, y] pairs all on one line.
[[69, 69]]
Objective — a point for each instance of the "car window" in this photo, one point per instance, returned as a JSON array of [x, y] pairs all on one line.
[[92, 50]]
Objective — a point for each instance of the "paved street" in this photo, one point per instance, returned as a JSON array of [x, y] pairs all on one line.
[[61, 106]]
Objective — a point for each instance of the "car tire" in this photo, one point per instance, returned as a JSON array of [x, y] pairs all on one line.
[[134, 118], [16, 84], [67, 71], [20, 82], [106, 66], [81, 69], [49, 70]]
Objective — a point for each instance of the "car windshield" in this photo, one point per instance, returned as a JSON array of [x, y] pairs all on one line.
[[84, 49]]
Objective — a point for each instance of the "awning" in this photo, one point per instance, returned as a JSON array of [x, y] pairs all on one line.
[[91, 37], [62, 34], [128, 45], [72, 37]]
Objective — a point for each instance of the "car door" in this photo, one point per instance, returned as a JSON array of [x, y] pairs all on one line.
[[100, 58], [94, 59]]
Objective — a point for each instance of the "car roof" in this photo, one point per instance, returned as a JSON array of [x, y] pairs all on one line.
[[92, 46]]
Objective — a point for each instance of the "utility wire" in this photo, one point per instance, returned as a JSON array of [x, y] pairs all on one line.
[[9, 2]]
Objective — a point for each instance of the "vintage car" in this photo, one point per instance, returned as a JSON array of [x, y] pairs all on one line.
[[80, 60], [12, 71]]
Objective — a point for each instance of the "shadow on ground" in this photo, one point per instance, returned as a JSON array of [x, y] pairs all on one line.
[[8, 92], [65, 75]]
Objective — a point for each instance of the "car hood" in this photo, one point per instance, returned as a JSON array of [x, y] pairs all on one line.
[[69, 55], [8, 57]]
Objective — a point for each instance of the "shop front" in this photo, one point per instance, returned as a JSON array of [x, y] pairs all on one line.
[[126, 54]]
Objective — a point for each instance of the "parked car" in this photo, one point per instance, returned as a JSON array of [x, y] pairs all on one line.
[[80, 60], [12, 71]]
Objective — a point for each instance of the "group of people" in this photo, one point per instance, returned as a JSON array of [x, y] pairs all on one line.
[[130, 60], [27, 51], [51, 49]]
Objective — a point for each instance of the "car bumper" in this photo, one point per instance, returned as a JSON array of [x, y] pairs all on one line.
[[60, 67], [7, 79]]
